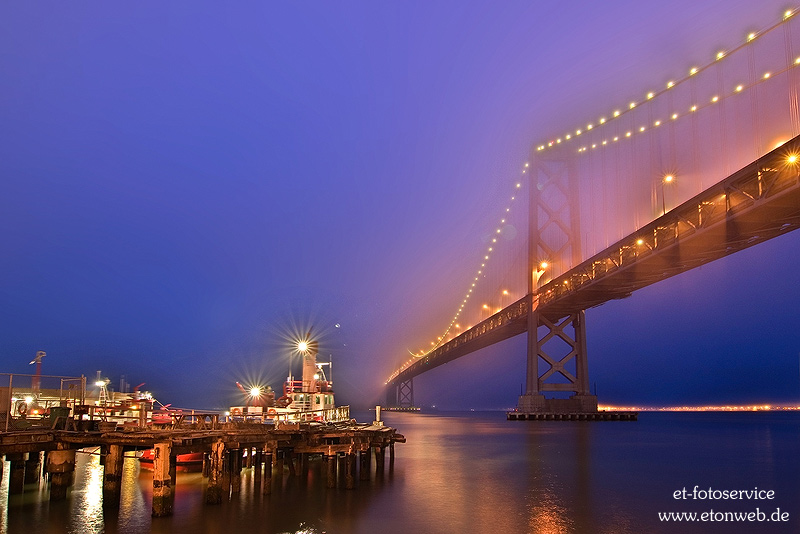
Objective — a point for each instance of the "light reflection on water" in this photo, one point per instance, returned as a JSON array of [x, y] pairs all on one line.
[[466, 473]]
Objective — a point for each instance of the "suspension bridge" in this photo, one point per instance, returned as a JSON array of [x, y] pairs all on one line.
[[702, 166]]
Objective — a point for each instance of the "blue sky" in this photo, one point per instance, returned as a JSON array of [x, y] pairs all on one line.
[[184, 184]]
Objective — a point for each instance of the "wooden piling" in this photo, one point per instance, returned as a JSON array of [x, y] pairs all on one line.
[[215, 473], [257, 459], [330, 461], [112, 475], [236, 470], [32, 467], [304, 465], [380, 457], [16, 475], [60, 465], [364, 457], [163, 492], [279, 463], [267, 473], [349, 470], [206, 465]]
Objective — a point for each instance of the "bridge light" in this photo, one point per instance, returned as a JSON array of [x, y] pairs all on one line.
[[714, 98], [543, 265], [674, 116], [616, 113], [720, 54], [505, 292], [650, 95], [669, 178], [640, 241], [693, 108], [670, 83], [788, 14], [739, 88], [792, 158], [602, 120], [693, 71], [302, 346], [767, 75], [255, 391], [632, 105], [751, 36]]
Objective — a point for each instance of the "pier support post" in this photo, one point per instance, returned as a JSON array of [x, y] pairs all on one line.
[[304, 465], [236, 470], [32, 467], [279, 454], [163, 492], [330, 462], [215, 470], [364, 457], [380, 458], [257, 459], [267, 473], [60, 465], [16, 476], [206, 464], [112, 475], [349, 470]]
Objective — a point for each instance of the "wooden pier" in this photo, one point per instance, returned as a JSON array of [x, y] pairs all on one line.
[[226, 448]]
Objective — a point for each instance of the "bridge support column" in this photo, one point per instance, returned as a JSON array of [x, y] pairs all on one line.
[[405, 394], [560, 346]]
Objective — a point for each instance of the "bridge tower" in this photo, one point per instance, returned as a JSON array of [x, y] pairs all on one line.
[[557, 359]]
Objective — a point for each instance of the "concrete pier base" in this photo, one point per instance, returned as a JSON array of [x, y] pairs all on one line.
[[163, 491], [216, 461], [60, 465], [112, 475]]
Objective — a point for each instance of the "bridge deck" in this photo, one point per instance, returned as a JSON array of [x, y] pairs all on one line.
[[757, 203]]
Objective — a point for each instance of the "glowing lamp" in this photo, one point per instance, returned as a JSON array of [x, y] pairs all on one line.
[[255, 391], [302, 346]]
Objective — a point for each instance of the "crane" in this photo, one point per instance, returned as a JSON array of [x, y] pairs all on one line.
[[36, 380]]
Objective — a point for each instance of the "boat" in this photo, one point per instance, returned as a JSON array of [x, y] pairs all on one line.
[[308, 400], [191, 462]]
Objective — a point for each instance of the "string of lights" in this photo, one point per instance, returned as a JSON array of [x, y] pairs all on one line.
[[619, 112]]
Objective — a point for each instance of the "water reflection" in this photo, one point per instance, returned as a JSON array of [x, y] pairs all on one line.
[[461, 473]]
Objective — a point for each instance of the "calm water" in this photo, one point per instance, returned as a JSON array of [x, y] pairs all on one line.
[[477, 472]]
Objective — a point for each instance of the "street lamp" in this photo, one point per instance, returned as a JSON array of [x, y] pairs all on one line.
[[668, 179]]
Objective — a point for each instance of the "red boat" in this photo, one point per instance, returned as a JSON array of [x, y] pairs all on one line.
[[190, 462]]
